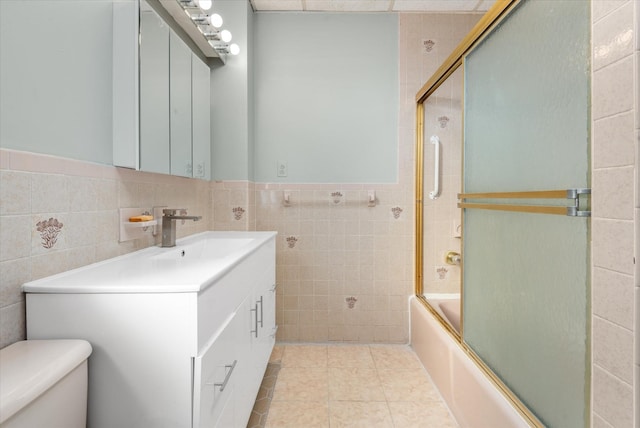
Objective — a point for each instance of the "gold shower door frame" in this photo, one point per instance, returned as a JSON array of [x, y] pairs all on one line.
[[493, 17]]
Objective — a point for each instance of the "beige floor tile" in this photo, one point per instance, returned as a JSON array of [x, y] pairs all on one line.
[[365, 414], [296, 414], [350, 356], [355, 384], [301, 384], [304, 356], [375, 386], [276, 354], [395, 357], [407, 385], [420, 415]]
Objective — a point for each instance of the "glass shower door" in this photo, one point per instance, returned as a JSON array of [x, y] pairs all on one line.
[[442, 121], [526, 262]]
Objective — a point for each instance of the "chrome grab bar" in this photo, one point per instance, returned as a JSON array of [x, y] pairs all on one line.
[[436, 168]]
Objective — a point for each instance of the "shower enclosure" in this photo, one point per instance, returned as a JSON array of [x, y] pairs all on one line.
[[514, 202], [442, 131]]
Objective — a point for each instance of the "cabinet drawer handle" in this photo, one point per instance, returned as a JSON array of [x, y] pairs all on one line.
[[261, 312], [256, 311], [223, 385]]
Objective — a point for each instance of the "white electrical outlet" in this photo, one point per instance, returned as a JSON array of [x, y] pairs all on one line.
[[282, 169], [199, 169]]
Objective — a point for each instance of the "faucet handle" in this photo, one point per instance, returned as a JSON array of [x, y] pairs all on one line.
[[172, 211]]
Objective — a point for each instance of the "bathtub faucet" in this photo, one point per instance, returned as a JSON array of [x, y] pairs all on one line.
[[169, 217]]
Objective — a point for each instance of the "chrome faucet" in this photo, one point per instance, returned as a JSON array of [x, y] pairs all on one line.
[[169, 217]]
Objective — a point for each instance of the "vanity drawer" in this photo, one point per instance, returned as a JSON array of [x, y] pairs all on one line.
[[215, 378]]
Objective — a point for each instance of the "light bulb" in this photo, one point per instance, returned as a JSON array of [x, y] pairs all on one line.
[[215, 20], [225, 36], [234, 49], [204, 4]]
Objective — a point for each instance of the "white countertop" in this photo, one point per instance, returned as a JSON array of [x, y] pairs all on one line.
[[207, 257]]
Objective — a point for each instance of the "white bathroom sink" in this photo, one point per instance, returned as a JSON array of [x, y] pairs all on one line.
[[208, 249], [196, 262]]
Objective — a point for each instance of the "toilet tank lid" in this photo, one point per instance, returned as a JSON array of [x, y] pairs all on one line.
[[30, 367]]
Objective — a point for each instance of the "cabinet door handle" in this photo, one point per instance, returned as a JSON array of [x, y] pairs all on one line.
[[261, 312], [273, 288], [223, 385], [256, 318], [274, 331]]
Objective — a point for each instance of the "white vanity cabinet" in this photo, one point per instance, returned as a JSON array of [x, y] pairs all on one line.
[[259, 319], [167, 355], [241, 351]]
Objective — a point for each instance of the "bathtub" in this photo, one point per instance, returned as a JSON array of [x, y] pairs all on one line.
[[447, 305], [472, 397]]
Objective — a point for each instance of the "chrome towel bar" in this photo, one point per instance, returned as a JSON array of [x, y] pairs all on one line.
[[574, 210]]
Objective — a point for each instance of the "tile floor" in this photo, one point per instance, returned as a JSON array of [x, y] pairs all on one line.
[[373, 386]]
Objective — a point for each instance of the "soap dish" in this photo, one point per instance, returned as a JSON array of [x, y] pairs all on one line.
[[141, 224], [135, 229]]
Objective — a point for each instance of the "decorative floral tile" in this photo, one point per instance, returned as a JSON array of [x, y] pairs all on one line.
[[336, 197], [443, 121], [238, 212], [428, 45], [396, 212], [351, 302], [291, 241], [49, 231]]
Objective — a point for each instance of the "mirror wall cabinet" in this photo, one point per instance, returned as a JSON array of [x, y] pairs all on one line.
[[172, 130]]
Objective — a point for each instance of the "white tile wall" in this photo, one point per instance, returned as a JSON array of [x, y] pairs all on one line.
[[615, 278], [328, 252]]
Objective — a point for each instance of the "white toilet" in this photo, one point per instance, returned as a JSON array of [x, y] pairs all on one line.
[[43, 383]]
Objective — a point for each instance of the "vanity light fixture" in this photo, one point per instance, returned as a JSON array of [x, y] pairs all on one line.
[[211, 35], [204, 4], [214, 20], [209, 25], [232, 49], [224, 36], [187, 4]]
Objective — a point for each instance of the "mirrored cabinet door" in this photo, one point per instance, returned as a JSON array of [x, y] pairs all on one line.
[[170, 127], [180, 106], [154, 92], [201, 129]]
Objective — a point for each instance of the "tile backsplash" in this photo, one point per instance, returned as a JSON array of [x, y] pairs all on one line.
[[58, 214]]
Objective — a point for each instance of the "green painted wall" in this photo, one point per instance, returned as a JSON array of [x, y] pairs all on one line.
[[55, 78], [232, 98], [326, 97]]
